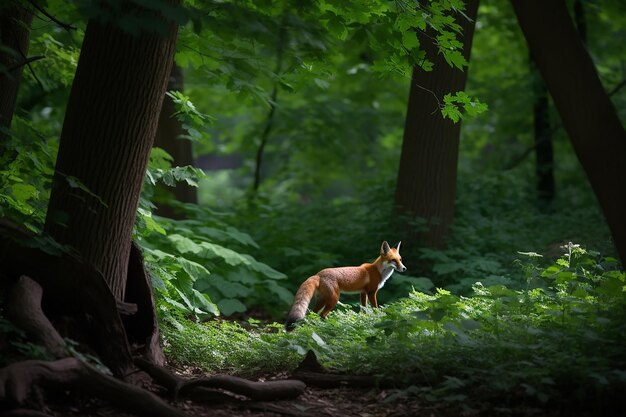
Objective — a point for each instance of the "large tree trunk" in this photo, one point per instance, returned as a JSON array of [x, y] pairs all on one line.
[[588, 115], [168, 137], [15, 20], [544, 152], [109, 128], [428, 164]]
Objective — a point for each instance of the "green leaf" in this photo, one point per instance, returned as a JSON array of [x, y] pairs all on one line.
[[451, 112], [24, 192], [281, 292], [455, 59], [203, 302], [184, 245], [337, 28], [194, 269], [409, 40], [229, 306]]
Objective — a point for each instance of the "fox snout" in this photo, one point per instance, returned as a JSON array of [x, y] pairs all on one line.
[[401, 268]]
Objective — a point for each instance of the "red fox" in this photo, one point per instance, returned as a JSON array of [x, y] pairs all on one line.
[[366, 279]]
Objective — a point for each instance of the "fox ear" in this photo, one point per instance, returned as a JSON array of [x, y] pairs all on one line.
[[398, 246], [384, 248]]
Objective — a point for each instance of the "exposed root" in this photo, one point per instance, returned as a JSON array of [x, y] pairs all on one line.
[[312, 372], [71, 288], [21, 381], [24, 309], [256, 391]]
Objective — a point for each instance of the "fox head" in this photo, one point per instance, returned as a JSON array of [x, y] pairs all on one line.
[[391, 256]]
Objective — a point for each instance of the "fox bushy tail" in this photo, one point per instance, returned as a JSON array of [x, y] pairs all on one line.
[[301, 301]]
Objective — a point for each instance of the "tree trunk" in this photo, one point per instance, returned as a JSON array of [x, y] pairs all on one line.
[[281, 42], [596, 133], [109, 128], [544, 153], [428, 164], [15, 22], [581, 20], [168, 137]]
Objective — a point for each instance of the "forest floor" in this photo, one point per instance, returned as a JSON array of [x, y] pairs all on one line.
[[345, 401], [349, 402]]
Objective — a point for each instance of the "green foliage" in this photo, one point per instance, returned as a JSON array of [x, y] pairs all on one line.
[[557, 342], [193, 121], [200, 266], [454, 103], [541, 329], [27, 164]]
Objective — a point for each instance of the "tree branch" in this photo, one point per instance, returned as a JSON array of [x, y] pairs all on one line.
[[32, 71], [520, 158], [618, 87], [25, 62], [41, 10]]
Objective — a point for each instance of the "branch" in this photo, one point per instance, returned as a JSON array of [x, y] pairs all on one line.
[[31, 68], [546, 137], [41, 10], [434, 95], [25, 62], [618, 87]]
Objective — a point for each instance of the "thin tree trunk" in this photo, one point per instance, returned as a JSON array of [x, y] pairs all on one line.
[[428, 164], [15, 21], [168, 137], [595, 130], [269, 122], [109, 128]]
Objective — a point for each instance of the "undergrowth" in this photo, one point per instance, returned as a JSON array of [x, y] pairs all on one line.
[[557, 343]]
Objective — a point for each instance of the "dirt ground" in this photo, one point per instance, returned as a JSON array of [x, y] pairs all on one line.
[[349, 402], [314, 402]]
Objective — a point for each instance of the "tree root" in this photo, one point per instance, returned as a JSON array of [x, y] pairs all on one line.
[[313, 373], [256, 391], [21, 381], [71, 287], [24, 309]]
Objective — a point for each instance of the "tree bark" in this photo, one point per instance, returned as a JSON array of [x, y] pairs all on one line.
[[15, 21], [428, 164], [168, 138], [596, 133], [109, 128], [544, 152]]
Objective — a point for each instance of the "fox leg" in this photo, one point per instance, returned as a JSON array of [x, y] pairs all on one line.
[[330, 304], [319, 303], [363, 299], [372, 297], [329, 293]]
